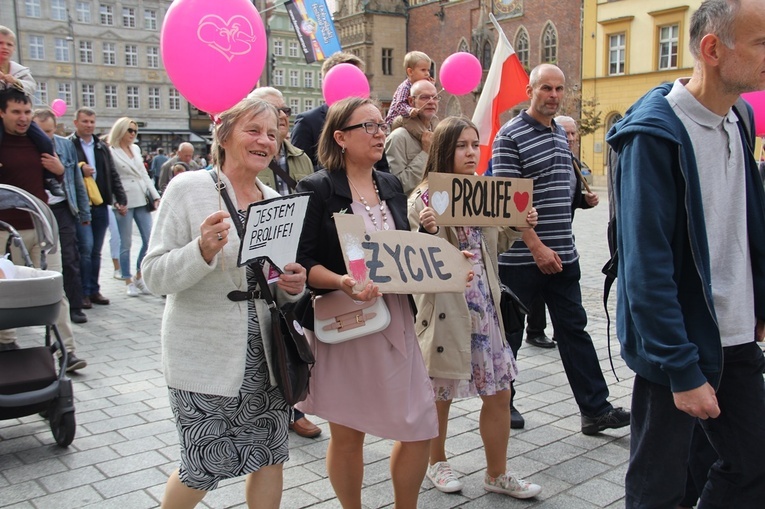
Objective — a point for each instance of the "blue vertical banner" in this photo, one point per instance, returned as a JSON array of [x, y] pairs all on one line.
[[314, 27]]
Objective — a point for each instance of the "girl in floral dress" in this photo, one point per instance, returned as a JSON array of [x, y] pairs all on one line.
[[461, 335]]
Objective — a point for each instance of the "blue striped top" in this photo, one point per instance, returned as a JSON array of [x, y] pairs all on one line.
[[527, 149]]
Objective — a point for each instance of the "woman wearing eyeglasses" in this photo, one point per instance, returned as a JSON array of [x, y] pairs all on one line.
[[139, 189], [374, 384]]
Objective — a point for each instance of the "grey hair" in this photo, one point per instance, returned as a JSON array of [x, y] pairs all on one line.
[[564, 119], [713, 17], [262, 93], [228, 119]]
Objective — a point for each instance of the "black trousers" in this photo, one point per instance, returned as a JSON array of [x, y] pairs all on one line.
[[70, 254]]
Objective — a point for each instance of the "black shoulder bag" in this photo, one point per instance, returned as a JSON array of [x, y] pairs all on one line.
[[291, 356]]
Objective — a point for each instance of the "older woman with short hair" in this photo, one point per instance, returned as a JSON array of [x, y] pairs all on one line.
[[232, 418]]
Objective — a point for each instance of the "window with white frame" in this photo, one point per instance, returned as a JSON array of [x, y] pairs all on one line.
[[617, 45], [110, 53], [668, 42], [307, 104], [308, 79], [294, 79], [32, 8], [278, 48], [36, 47], [293, 49], [86, 52], [88, 95], [41, 94], [131, 55], [133, 100], [155, 100], [175, 99], [128, 17], [83, 12], [107, 14], [150, 19], [152, 57], [62, 49], [295, 106], [278, 77], [65, 92], [110, 96], [58, 10]]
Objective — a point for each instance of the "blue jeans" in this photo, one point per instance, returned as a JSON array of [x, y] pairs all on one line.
[[661, 438], [142, 217], [90, 240], [563, 296]]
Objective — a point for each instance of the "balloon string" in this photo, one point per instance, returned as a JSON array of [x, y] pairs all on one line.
[[220, 207]]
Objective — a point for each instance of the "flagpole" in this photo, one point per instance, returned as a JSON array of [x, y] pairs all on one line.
[[499, 29]]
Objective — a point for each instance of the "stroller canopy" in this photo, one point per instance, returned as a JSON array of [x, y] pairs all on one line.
[[46, 227]]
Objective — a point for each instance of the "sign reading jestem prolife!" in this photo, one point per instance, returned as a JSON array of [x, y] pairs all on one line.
[[400, 261], [472, 200], [272, 230]]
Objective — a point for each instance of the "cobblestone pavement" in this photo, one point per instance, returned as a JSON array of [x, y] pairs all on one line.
[[126, 441]]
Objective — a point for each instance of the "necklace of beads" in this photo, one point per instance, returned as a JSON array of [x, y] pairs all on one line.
[[372, 217]]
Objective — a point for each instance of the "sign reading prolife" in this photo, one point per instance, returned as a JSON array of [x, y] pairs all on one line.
[[272, 230], [400, 261], [472, 200]]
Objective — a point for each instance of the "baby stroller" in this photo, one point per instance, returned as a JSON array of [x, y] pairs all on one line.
[[29, 380]]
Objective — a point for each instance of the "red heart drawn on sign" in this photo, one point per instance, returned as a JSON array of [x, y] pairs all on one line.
[[521, 200]]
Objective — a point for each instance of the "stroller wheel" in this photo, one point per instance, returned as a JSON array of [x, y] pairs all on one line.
[[63, 429]]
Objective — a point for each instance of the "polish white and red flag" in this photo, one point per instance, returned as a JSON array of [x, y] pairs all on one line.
[[505, 87]]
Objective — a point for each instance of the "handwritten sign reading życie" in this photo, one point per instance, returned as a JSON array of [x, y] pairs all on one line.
[[400, 261], [272, 230], [472, 200]]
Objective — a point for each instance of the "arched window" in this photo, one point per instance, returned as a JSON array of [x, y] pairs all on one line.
[[522, 46], [549, 44], [486, 55], [463, 46]]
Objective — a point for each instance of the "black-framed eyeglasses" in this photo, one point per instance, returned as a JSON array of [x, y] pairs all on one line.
[[370, 127], [132, 131], [286, 110]]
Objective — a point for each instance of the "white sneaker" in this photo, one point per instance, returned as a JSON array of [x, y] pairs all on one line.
[[443, 478], [132, 290], [509, 484], [118, 274], [138, 282]]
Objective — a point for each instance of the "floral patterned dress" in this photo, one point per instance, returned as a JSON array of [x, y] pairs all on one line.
[[493, 364]]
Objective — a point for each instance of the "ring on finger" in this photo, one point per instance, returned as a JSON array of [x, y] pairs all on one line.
[[220, 236]]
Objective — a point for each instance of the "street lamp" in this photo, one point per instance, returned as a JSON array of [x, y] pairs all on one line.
[[76, 93]]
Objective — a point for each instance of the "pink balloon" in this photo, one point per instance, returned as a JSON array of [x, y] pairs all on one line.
[[59, 107], [460, 73], [343, 81], [214, 52], [757, 101]]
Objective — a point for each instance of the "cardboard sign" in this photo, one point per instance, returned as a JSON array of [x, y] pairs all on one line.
[[472, 200], [272, 230], [400, 261]]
